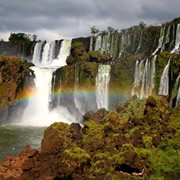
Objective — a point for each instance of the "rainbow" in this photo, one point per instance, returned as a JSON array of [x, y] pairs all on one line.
[[30, 94]]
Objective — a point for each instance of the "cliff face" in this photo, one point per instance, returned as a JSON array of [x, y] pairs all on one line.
[[13, 75]]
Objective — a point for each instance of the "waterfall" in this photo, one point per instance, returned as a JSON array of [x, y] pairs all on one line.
[[161, 38], [146, 81], [177, 41], [37, 53], [77, 97], [52, 50], [138, 76], [144, 78], [153, 73], [167, 38], [122, 44], [164, 83], [140, 43], [102, 86], [38, 112], [178, 94], [91, 44], [98, 43], [45, 54]]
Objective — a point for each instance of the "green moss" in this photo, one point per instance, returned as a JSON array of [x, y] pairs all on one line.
[[94, 54], [78, 154], [147, 140], [77, 45]]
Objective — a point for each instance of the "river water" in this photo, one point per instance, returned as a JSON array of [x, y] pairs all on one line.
[[14, 138]]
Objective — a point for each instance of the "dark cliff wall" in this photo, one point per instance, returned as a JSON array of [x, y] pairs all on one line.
[[84, 40], [21, 49]]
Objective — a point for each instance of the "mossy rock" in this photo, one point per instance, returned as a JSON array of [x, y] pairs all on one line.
[[77, 45]]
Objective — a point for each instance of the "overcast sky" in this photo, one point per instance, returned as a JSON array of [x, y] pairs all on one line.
[[56, 19]]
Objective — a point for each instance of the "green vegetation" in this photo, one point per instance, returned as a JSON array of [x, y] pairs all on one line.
[[141, 135], [13, 71], [94, 54], [77, 45], [22, 37]]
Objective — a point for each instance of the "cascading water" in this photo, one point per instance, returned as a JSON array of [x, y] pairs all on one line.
[[153, 73], [140, 43], [160, 44], [102, 86], [144, 78], [145, 89], [164, 83], [37, 52], [178, 94], [38, 113], [77, 97], [177, 41], [98, 43], [167, 38], [45, 55]]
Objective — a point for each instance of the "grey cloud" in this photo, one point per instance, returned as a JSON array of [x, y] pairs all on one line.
[[72, 18]]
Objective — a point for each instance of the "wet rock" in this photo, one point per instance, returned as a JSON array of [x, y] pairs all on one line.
[[55, 138], [137, 140], [129, 158], [28, 164], [87, 116], [156, 140], [99, 115], [76, 131]]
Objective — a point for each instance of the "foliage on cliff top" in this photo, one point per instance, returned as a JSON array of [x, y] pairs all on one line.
[[23, 37]]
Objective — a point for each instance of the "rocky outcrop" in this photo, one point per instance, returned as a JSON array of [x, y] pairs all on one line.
[[14, 73], [84, 40], [137, 139]]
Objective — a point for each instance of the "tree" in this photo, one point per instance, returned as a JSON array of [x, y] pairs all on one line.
[[110, 29], [103, 33], [94, 30], [20, 37], [34, 37], [142, 25]]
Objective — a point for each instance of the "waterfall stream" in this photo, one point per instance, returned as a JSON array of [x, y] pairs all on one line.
[[144, 77], [38, 113], [177, 41], [102, 86], [164, 83]]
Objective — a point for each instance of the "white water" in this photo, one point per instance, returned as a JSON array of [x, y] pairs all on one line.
[[145, 89], [167, 38], [140, 43], [98, 43], [144, 78], [164, 83], [77, 97], [177, 41], [153, 73], [45, 55], [160, 44], [37, 112], [37, 52], [102, 85], [176, 87]]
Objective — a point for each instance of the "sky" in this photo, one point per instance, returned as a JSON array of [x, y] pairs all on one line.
[[58, 19]]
